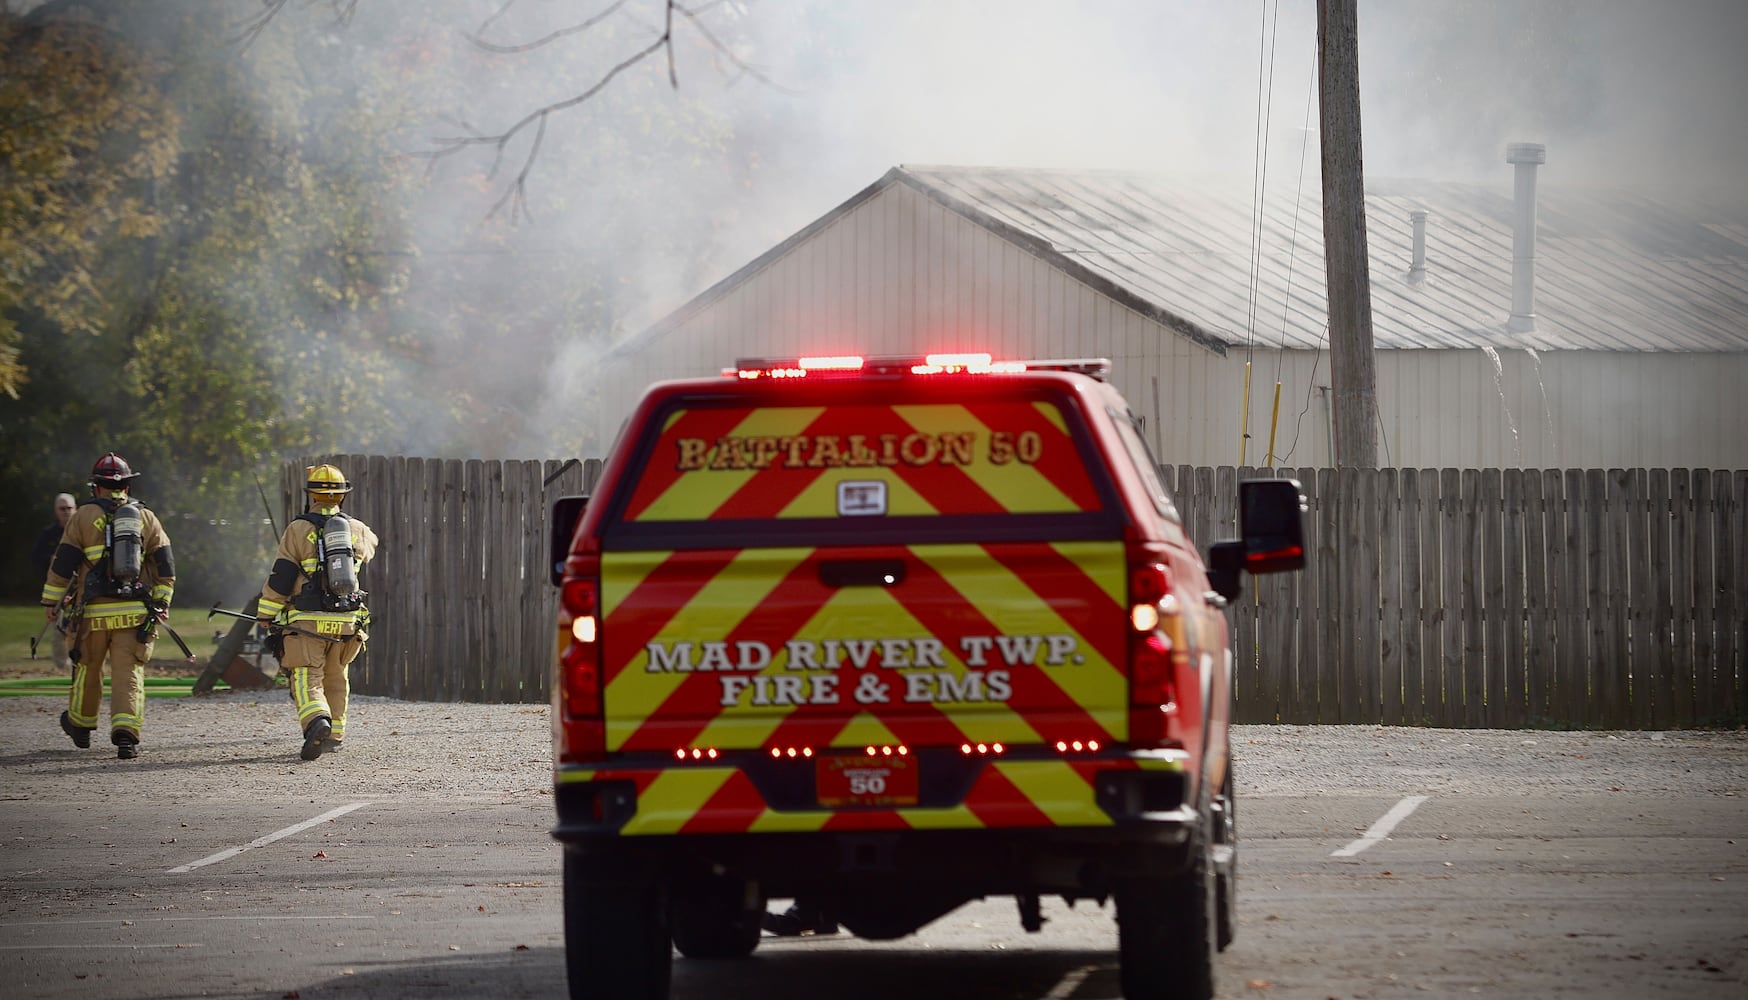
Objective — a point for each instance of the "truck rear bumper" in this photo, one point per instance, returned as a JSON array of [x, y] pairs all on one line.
[[750, 793], [1055, 829]]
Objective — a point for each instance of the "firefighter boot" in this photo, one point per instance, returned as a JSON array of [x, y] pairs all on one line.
[[127, 745], [315, 736], [81, 736]]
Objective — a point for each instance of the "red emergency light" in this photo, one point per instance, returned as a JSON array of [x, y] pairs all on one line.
[[958, 363]]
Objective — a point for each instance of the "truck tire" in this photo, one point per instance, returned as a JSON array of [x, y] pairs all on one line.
[[715, 920], [1226, 863], [616, 938], [1166, 932]]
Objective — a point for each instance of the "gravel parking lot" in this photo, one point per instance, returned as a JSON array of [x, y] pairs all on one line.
[[1537, 864], [249, 742]]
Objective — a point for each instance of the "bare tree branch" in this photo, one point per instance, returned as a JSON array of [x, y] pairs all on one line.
[[519, 206], [668, 33], [252, 28], [517, 195], [693, 16], [488, 22], [537, 43]]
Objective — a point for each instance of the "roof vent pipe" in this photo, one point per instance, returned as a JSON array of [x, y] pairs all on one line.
[[1417, 270], [1526, 156]]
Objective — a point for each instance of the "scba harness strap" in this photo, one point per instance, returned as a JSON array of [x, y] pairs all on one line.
[[334, 584], [116, 573]]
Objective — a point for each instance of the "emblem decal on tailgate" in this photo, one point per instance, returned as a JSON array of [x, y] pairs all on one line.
[[861, 498]]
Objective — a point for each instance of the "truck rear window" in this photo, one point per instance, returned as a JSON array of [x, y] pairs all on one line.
[[718, 465]]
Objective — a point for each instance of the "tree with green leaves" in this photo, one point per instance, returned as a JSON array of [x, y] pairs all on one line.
[[295, 262], [191, 279], [85, 133]]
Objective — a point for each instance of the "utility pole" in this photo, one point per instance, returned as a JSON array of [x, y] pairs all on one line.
[[1353, 366]]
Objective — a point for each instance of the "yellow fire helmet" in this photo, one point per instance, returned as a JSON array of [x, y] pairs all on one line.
[[327, 481]]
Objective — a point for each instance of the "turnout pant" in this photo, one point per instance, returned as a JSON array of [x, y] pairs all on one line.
[[127, 657], [319, 683]]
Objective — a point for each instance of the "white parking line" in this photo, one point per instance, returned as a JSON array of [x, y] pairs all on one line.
[[82, 947], [185, 919], [1070, 983], [232, 852], [1382, 827]]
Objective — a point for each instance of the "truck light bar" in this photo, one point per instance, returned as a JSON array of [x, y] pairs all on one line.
[[852, 366]]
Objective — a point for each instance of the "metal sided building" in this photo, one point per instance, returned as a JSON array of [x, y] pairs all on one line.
[[1514, 329]]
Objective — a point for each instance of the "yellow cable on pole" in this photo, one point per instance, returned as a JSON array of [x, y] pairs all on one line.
[[1244, 418], [1274, 422]]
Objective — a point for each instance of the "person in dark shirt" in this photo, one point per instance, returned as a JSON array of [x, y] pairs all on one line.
[[42, 552]]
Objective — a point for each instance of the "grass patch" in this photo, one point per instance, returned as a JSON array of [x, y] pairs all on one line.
[[156, 687], [20, 623]]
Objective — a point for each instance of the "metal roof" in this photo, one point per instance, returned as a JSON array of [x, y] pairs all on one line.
[[1613, 271]]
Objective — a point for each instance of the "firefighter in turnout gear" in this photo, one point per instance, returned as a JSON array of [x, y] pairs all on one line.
[[114, 561], [313, 586]]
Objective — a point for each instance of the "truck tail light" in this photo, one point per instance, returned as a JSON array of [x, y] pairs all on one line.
[[580, 670], [1156, 647]]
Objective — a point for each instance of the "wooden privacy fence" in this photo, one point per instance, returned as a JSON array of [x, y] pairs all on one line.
[[1495, 598], [1435, 597]]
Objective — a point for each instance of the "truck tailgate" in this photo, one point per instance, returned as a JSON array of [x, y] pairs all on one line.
[[846, 646]]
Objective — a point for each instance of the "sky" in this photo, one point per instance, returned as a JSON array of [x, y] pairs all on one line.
[[1634, 92]]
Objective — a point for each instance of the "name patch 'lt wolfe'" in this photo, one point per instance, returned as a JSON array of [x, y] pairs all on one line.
[[835, 451], [812, 666]]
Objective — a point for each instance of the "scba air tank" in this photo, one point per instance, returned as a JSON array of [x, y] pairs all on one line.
[[337, 564], [126, 530]]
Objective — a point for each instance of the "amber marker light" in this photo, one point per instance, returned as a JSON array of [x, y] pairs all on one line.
[[1077, 746], [885, 751]]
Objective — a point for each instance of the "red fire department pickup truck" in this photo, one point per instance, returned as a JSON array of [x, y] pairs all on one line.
[[889, 635]]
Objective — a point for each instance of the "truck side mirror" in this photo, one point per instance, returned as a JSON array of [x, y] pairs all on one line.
[[561, 526], [1225, 569], [1271, 520], [1272, 525]]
